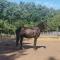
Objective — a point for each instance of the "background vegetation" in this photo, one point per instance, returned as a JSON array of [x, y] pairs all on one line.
[[13, 15]]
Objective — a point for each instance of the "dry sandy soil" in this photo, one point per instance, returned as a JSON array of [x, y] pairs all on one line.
[[48, 48]]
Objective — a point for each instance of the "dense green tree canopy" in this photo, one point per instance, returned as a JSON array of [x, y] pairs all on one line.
[[13, 15]]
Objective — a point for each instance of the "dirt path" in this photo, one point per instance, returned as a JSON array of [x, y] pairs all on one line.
[[50, 52]]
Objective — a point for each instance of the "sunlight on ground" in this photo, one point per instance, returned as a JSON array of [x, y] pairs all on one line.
[[50, 52]]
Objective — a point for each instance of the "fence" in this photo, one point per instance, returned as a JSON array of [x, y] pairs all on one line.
[[43, 34], [51, 33], [6, 37]]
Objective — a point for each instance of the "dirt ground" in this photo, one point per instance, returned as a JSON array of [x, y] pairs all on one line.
[[48, 48]]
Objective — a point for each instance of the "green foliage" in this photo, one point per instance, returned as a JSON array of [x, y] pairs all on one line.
[[7, 28], [14, 15], [54, 22]]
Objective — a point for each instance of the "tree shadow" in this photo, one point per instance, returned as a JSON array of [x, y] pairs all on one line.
[[51, 58], [8, 46], [4, 57], [10, 57]]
